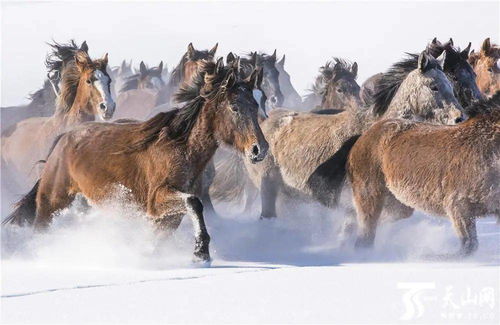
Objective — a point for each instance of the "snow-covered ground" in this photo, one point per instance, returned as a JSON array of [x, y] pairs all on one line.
[[110, 266]]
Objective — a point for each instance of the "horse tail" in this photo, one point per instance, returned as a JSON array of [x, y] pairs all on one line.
[[230, 179], [25, 209]]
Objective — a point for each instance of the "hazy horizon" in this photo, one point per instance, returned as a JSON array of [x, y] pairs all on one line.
[[374, 34]]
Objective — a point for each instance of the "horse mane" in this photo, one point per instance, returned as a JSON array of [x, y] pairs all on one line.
[[63, 57], [486, 107], [177, 74], [337, 66], [178, 123], [388, 85], [132, 82]]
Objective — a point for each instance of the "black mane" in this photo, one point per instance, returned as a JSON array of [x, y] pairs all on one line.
[[178, 123], [337, 67], [178, 73], [388, 85], [60, 55]]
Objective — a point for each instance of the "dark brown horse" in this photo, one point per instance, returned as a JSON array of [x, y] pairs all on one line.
[[487, 68], [451, 171], [159, 160]]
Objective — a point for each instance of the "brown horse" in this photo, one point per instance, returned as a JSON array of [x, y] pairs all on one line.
[[140, 93], [335, 87], [308, 151], [182, 75], [441, 170], [84, 96], [486, 65], [159, 160]]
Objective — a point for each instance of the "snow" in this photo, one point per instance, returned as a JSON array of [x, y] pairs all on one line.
[[109, 265]]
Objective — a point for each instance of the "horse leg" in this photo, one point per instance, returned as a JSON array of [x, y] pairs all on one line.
[[207, 180], [168, 206], [268, 194], [465, 227], [251, 193], [368, 203], [50, 199]]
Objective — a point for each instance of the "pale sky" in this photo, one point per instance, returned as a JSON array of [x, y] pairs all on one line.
[[375, 34]]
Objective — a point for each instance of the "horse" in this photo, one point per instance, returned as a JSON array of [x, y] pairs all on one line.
[[292, 98], [43, 101], [458, 70], [335, 87], [84, 96], [487, 67], [119, 75], [158, 160], [308, 151], [182, 74], [140, 93], [368, 89], [451, 171]]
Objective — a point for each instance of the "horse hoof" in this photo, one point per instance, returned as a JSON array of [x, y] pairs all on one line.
[[202, 259], [263, 217]]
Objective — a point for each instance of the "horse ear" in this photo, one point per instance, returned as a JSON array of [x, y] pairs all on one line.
[[230, 58], [220, 64], [84, 47], [486, 47], [105, 59], [123, 65], [213, 50], [282, 61], [236, 64], [160, 66], [354, 69], [423, 62], [254, 58], [465, 53], [273, 57], [143, 70], [82, 60], [451, 41], [441, 59], [191, 51], [434, 40]]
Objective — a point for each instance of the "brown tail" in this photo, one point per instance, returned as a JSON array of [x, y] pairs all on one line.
[[25, 209], [230, 180]]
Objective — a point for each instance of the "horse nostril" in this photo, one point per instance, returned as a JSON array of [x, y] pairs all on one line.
[[255, 150], [102, 106], [274, 99]]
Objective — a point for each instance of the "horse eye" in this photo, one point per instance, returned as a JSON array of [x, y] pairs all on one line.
[[339, 90], [490, 69], [89, 81], [234, 108], [434, 88]]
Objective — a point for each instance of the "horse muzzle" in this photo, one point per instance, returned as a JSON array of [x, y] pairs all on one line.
[[258, 152], [107, 109]]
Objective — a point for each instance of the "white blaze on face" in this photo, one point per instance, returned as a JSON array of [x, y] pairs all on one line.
[[102, 85]]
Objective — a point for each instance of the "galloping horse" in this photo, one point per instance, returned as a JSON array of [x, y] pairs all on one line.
[[335, 87], [486, 64], [140, 93], [308, 151], [158, 160], [442, 170], [43, 101], [84, 96]]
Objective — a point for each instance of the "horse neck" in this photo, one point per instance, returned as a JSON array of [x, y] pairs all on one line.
[[201, 140], [81, 109]]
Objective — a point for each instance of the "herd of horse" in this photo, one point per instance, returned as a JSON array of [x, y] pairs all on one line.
[[423, 135]]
